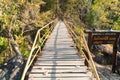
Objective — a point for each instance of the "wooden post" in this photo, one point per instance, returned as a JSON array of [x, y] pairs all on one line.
[[114, 57], [90, 40], [89, 45]]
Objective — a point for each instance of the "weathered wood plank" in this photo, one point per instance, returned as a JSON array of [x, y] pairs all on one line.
[[61, 39], [59, 70], [58, 59], [63, 57], [59, 63], [60, 52], [59, 67], [60, 55], [71, 78], [46, 75]]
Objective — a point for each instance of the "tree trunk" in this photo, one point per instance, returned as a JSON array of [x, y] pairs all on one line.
[[14, 45]]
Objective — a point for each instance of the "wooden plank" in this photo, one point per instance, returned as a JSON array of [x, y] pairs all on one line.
[[59, 49], [65, 42], [60, 52], [59, 63], [60, 46], [72, 55], [71, 78], [62, 39], [52, 57], [58, 59], [62, 75], [59, 70], [59, 43], [59, 67]]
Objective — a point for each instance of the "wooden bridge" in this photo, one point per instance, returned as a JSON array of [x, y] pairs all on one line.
[[59, 59]]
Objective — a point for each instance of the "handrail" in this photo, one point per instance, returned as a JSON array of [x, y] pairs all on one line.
[[41, 41], [83, 44]]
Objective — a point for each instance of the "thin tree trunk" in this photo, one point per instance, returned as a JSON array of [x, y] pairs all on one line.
[[14, 45]]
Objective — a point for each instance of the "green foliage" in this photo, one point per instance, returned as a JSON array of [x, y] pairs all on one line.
[[3, 44], [91, 19], [23, 45], [100, 14], [19, 16], [25, 53], [3, 49], [80, 32], [106, 14], [49, 5], [39, 44]]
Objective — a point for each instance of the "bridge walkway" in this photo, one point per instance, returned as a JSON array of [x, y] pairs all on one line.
[[60, 59]]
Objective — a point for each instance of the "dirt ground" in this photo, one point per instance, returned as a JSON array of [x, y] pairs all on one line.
[[106, 73]]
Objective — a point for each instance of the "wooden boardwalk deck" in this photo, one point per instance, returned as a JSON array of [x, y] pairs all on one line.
[[59, 60]]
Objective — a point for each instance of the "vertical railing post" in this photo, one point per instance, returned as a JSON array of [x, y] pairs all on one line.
[[40, 41], [81, 41]]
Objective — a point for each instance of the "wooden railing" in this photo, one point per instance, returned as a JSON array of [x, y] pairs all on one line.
[[81, 43], [40, 38]]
